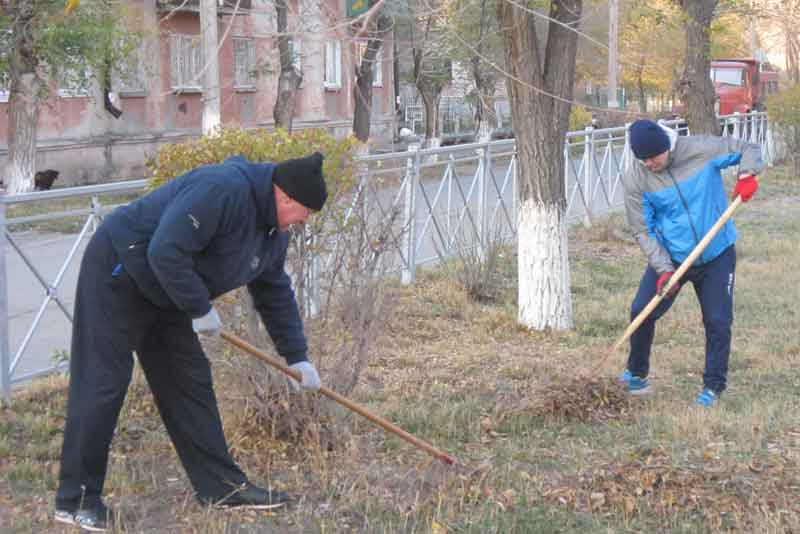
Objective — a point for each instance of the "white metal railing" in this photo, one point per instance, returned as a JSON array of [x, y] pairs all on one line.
[[50, 288], [449, 197]]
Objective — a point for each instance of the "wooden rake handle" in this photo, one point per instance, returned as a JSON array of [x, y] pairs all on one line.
[[350, 405], [687, 263]]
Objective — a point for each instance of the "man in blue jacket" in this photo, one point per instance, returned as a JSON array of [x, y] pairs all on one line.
[[673, 195], [146, 284]]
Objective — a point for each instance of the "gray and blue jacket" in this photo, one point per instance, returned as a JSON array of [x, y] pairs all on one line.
[[670, 211], [205, 233]]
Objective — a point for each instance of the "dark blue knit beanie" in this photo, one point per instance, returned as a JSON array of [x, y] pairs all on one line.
[[648, 139]]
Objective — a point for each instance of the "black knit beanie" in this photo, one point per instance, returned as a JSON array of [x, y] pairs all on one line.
[[648, 139], [302, 180]]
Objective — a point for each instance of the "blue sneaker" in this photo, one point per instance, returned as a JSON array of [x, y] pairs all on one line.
[[707, 398], [638, 386], [625, 377]]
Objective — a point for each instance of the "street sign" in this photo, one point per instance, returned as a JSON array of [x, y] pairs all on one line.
[[356, 7]]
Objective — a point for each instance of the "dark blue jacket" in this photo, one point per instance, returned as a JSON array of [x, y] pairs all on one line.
[[205, 233]]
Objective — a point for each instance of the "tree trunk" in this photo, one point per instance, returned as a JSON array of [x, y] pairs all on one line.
[[289, 79], [23, 104], [430, 98], [792, 55], [540, 124], [485, 83], [485, 117], [640, 87], [211, 86], [365, 74], [432, 72], [696, 89]]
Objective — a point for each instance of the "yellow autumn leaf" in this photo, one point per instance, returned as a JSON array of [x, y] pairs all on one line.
[[70, 6]]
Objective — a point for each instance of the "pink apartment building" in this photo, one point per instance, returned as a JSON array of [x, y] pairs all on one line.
[[161, 98]]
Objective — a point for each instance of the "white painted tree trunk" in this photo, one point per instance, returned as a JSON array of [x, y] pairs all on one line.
[[484, 131], [22, 126], [545, 299], [211, 89]]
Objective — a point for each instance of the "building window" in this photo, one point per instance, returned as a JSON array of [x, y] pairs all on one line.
[[297, 54], [129, 76], [74, 82], [377, 66], [186, 61], [244, 63], [333, 65]]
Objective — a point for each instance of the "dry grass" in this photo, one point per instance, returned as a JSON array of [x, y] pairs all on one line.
[[543, 447]]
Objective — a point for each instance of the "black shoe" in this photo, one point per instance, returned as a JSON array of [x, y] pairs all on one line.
[[94, 519], [252, 497]]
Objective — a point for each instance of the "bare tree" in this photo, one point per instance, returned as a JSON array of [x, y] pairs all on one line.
[[377, 27], [431, 67], [47, 42], [781, 19], [24, 98], [540, 80], [484, 76], [289, 79], [211, 89], [695, 87]]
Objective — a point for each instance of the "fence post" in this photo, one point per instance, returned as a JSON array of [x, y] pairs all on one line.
[[5, 343], [626, 150], [409, 215], [483, 201], [588, 174], [313, 273], [95, 212], [768, 148]]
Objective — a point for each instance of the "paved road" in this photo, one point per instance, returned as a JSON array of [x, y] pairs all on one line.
[[47, 253]]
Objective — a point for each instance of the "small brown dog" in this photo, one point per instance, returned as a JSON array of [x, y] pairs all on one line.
[[43, 180]]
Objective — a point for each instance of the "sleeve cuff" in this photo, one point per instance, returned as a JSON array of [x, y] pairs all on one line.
[[292, 359]]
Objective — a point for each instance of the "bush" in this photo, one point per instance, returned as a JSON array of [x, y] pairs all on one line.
[[256, 145], [337, 261], [579, 118], [783, 110]]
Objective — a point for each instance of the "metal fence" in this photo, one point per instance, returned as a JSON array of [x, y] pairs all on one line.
[[449, 198], [50, 289]]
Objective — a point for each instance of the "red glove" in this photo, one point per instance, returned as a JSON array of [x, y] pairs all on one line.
[[746, 187], [662, 282]]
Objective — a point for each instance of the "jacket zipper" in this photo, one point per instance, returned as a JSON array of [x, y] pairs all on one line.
[[685, 207]]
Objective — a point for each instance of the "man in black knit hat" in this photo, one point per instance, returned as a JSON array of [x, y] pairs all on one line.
[[146, 283]]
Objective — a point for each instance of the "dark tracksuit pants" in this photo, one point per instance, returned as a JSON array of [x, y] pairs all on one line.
[[111, 320], [713, 284]]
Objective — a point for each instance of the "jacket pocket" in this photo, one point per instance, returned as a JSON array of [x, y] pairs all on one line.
[[136, 264]]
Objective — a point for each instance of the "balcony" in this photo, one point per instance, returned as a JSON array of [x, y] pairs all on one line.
[[193, 6]]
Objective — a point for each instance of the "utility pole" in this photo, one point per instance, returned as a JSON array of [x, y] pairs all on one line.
[[211, 97], [755, 43], [613, 23]]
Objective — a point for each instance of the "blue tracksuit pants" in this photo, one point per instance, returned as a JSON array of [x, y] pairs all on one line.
[[713, 284]]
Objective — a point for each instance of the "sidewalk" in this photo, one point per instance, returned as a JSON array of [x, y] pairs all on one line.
[[26, 294]]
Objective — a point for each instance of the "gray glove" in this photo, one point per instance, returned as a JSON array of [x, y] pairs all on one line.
[[310, 377], [209, 324]]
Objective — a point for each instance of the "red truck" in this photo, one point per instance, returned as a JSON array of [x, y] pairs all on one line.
[[741, 85]]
